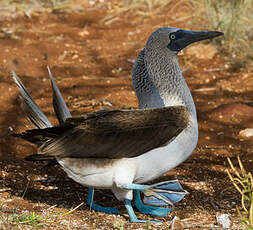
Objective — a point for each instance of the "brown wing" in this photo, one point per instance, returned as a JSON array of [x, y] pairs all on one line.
[[117, 133]]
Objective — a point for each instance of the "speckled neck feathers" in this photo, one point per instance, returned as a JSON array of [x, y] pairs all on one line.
[[158, 81]]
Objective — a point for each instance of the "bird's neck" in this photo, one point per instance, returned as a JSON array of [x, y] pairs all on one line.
[[166, 80]]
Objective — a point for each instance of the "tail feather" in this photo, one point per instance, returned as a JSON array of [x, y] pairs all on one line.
[[60, 107], [39, 136], [37, 157], [34, 136], [45, 130], [32, 110]]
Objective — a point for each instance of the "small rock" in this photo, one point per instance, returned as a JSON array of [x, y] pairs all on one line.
[[233, 113], [131, 60], [75, 57], [91, 2], [176, 224], [246, 133], [83, 33], [223, 220], [62, 56]]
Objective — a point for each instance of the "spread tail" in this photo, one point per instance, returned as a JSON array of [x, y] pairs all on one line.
[[32, 110], [38, 118]]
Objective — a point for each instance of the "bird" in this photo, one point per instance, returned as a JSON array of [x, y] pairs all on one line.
[[39, 120], [122, 150]]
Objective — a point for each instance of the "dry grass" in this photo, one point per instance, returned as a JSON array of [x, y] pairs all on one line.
[[144, 7], [31, 220], [25, 3], [243, 182], [137, 10], [26, 220], [235, 19], [27, 7]]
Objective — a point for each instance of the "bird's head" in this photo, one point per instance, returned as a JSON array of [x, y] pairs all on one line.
[[175, 39]]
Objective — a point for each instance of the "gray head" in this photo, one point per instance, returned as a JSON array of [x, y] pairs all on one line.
[[157, 78], [174, 39]]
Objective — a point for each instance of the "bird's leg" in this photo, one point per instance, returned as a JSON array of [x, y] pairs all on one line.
[[163, 193], [99, 208], [132, 215], [147, 209]]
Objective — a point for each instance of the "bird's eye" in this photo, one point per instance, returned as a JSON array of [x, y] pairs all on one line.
[[172, 36]]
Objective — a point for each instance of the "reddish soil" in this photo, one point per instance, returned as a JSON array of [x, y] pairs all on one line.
[[89, 58]]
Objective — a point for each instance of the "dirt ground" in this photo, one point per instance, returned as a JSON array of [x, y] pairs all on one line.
[[90, 54]]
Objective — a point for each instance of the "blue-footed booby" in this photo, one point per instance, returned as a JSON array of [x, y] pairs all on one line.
[[121, 150]]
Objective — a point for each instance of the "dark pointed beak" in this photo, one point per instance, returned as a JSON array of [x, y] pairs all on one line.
[[185, 37]]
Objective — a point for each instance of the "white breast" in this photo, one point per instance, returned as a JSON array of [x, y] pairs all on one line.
[[155, 163]]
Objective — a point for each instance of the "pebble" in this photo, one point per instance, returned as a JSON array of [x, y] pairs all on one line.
[[246, 133], [91, 2], [176, 224], [83, 33], [75, 57], [223, 220]]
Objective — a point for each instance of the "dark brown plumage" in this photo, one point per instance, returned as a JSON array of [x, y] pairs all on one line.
[[111, 134]]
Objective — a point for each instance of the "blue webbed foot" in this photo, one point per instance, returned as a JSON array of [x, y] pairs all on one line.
[[99, 208], [107, 210], [132, 215], [146, 209], [163, 193]]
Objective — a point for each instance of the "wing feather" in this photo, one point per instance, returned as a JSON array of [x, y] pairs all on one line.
[[116, 133]]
